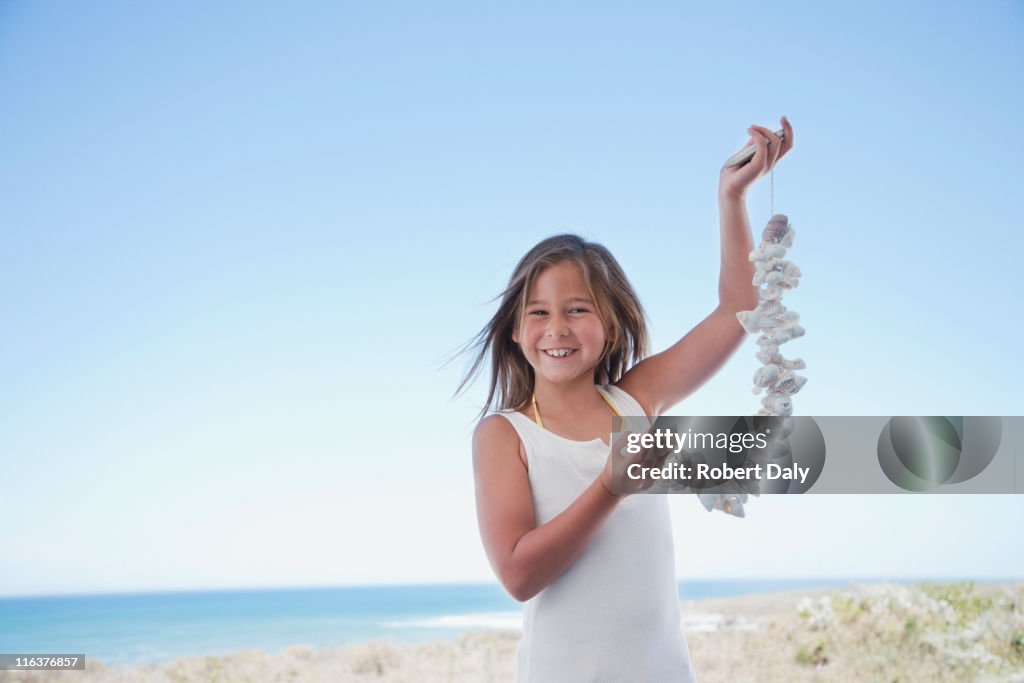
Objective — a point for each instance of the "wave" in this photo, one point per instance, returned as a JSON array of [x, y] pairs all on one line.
[[708, 622], [513, 621], [496, 620]]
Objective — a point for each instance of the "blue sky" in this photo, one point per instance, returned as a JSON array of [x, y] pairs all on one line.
[[238, 243]]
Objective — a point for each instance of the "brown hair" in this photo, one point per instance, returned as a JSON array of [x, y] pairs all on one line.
[[618, 306]]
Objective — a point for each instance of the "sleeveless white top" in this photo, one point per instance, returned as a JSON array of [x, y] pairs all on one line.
[[613, 616]]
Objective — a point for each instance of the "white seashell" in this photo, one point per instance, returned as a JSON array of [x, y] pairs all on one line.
[[707, 500], [777, 336], [788, 384], [769, 374], [749, 320], [778, 448], [771, 293], [777, 229], [752, 321], [795, 331], [766, 252], [751, 486], [779, 405], [729, 503], [783, 429]]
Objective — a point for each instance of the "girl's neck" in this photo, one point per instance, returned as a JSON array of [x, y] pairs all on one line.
[[557, 399]]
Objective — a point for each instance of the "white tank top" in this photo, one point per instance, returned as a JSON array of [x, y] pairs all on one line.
[[613, 616]]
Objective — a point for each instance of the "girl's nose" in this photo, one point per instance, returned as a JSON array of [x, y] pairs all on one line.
[[558, 326]]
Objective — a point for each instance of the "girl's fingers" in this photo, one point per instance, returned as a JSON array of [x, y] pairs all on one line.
[[787, 138], [774, 147], [655, 457], [762, 147], [649, 459], [750, 169], [787, 142]]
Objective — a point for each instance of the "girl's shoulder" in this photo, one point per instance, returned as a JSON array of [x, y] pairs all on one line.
[[497, 433], [498, 423]]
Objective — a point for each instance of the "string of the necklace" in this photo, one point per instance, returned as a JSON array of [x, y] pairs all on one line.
[[540, 422], [773, 191]]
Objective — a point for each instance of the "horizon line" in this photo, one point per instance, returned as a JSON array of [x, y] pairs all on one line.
[[438, 584]]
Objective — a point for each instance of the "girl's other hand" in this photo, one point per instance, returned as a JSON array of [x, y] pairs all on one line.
[[735, 180], [615, 476]]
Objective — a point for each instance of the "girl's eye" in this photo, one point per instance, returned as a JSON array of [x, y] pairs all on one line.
[[571, 310]]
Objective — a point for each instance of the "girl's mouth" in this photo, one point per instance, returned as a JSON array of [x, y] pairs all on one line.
[[559, 353]]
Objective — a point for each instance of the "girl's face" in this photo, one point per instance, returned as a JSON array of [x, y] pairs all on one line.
[[562, 335]]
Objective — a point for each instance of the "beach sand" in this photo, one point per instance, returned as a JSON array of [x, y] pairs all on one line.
[[879, 632]]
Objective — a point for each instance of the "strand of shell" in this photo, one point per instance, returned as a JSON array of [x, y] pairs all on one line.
[[775, 323]]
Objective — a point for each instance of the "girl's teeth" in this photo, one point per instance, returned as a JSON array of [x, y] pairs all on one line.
[[560, 354]]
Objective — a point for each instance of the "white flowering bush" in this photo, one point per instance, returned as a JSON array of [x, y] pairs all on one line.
[[954, 632], [818, 613]]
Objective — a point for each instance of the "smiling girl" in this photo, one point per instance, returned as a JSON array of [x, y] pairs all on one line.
[[568, 349]]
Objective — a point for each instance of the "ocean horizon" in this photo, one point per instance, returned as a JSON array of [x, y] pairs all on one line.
[[151, 627]]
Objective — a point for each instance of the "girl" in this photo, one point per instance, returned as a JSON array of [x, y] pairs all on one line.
[[594, 565]]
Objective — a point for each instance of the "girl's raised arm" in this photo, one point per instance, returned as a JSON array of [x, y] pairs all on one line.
[[664, 379]]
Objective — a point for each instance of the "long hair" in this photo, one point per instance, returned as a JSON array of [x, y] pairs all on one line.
[[512, 377]]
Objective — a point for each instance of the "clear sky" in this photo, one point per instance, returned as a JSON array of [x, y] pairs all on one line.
[[238, 240]]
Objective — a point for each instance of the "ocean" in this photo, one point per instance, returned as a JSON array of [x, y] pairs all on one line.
[[137, 628]]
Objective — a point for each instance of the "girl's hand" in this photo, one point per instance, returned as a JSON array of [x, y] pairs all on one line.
[[615, 476], [735, 180]]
